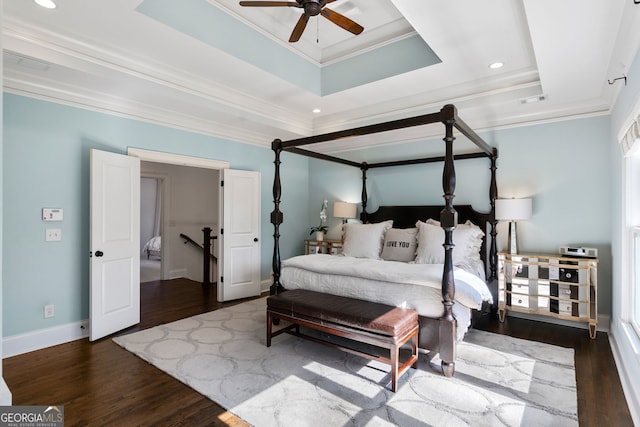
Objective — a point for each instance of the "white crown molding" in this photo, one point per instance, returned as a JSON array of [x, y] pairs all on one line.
[[141, 112], [21, 38]]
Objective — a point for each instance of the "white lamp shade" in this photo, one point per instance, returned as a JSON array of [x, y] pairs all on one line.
[[513, 209], [344, 210]]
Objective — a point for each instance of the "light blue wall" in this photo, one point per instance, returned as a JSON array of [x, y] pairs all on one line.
[[563, 166], [46, 164]]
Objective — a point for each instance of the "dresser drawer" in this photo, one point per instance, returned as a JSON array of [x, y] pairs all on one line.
[[518, 288], [544, 289], [521, 301], [565, 308]]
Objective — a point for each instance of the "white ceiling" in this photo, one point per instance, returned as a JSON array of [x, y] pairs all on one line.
[[106, 56]]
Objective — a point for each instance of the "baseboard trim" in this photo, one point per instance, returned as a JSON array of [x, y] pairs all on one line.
[[37, 340], [627, 358], [43, 338], [176, 274], [265, 285]]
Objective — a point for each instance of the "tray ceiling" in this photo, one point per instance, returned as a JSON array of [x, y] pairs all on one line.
[[219, 69]]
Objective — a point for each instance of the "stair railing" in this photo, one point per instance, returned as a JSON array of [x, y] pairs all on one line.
[[207, 256]]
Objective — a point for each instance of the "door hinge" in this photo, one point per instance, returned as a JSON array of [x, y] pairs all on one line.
[[221, 279], [222, 231], [222, 183]]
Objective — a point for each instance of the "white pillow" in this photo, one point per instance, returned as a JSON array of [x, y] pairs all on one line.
[[400, 244], [364, 240], [467, 239]]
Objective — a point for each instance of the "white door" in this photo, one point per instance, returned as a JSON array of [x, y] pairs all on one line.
[[115, 243], [239, 276]]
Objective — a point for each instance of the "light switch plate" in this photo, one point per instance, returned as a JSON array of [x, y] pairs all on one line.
[[51, 214]]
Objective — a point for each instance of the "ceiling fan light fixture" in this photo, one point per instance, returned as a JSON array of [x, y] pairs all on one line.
[[311, 8], [48, 4], [316, 111], [496, 65]]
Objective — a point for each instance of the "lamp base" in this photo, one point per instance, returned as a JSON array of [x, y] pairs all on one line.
[[512, 245], [344, 221]]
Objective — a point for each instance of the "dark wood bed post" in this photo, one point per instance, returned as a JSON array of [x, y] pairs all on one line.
[[276, 219], [448, 221], [364, 197], [492, 280]]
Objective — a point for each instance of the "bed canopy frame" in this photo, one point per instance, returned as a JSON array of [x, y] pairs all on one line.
[[448, 116]]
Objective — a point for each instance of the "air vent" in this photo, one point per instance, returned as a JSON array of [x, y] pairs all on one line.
[[26, 61], [532, 99]]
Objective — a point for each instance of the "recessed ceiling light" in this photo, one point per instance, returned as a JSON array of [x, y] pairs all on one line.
[[316, 111], [496, 65], [49, 4]]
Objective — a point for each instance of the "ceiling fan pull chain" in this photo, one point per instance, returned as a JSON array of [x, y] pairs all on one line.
[[317, 30]]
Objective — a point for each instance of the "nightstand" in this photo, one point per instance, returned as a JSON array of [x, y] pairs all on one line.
[[550, 285], [326, 246]]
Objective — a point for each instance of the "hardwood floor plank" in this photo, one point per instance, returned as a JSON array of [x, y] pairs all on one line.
[[100, 383]]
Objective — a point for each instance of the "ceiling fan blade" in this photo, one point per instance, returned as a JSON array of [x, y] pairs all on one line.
[[299, 28], [342, 21], [269, 3]]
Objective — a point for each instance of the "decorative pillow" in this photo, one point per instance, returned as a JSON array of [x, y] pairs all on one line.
[[467, 238], [364, 240], [430, 238], [400, 244]]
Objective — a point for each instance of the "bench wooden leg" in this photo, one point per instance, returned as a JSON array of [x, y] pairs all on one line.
[[394, 367]]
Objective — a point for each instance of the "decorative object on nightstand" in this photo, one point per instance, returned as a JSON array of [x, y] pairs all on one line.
[[551, 285], [345, 211], [326, 246], [321, 229], [513, 210]]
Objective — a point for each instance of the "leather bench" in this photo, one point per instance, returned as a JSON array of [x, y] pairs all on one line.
[[367, 322]]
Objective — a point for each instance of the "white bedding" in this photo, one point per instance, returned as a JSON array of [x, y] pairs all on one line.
[[153, 246], [416, 286]]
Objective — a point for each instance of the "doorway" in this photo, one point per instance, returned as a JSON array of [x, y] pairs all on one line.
[[177, 203]]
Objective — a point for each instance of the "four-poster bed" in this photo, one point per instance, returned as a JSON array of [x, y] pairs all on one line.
[[437, 333]]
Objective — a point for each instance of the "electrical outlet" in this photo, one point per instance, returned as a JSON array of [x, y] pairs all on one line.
[[49, 311], [53, 235]]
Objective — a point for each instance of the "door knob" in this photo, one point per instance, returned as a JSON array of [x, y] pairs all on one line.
[[99, 253], [255, 239]]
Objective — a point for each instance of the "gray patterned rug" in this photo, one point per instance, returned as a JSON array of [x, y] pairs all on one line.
[[499, 381]]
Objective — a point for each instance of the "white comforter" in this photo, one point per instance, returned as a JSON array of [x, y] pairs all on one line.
[[416, 286]]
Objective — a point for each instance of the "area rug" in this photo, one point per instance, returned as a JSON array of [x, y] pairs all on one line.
[[499, 380]]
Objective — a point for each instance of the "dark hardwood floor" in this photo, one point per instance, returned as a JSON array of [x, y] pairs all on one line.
[[99, 383]]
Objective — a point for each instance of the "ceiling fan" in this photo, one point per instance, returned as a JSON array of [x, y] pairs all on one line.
[[311, 8]]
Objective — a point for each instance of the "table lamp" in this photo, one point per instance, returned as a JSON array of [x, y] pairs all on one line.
[[513, 210], [345, 211]]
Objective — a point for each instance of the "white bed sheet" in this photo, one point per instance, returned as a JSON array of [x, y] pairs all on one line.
[[154, 245], [416, 286]]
